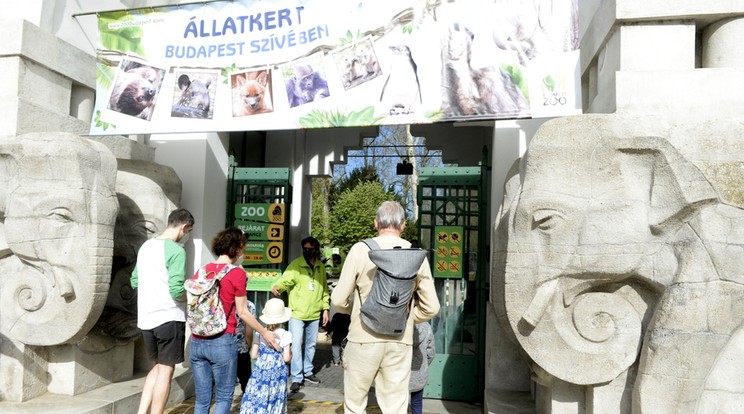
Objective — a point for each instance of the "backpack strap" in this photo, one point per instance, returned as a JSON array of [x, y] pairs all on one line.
[[372, 244], [225, 270], [202, 273]]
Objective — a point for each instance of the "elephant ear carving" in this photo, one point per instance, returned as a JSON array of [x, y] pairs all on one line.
[[8, 172], [678, 190]]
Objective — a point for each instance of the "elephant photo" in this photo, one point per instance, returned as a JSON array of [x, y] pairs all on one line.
[[614, 256]]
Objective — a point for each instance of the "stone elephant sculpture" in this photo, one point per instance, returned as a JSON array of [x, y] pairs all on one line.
[[147, 192], [616, 252], [57, 212]]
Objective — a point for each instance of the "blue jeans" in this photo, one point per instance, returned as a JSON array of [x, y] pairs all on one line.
[[307, 332], [214, 361], [417, 402]]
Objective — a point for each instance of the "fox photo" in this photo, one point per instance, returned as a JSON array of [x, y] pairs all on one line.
[[251, 92]]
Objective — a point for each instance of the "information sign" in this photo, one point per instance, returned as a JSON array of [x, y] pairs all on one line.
[[262, 253], [448, 252], [255, 230]]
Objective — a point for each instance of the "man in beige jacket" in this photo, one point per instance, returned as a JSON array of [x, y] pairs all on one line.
[[369, 356]]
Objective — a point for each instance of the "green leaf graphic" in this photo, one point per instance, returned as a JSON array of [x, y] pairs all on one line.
[[125, 39], [336, 118]]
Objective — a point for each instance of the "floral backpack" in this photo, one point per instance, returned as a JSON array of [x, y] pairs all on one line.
[[204, 312]]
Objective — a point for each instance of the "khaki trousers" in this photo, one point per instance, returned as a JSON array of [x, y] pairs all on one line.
[[388, 364]]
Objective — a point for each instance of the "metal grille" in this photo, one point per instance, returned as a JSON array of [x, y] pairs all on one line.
[[455, 197]]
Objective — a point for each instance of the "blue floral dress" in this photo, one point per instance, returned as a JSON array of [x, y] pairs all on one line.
[[266, 392]]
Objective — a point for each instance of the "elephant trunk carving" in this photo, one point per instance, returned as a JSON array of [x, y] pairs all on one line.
[[615, 247]]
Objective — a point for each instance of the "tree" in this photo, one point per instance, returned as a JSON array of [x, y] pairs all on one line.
[[367, 173], [352, 215], [393, 145], [321, 210]]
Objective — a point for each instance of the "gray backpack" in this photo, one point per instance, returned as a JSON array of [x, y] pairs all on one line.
[[387, 306]]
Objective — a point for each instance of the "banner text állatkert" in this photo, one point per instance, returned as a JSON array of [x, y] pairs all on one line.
[[287, 64]]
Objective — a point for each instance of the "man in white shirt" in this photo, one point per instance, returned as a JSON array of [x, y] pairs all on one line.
[[161, 307]]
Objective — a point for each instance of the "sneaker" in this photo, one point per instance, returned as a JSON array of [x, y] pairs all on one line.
[[336, 364], [295, 387], [312, 379]]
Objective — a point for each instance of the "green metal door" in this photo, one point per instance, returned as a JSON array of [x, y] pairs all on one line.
[[453, 226], [253, 190]]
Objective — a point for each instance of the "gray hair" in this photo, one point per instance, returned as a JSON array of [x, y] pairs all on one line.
[[390, 214]]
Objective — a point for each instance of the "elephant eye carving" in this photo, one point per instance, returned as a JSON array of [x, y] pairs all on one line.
[[546, 219], [60, 214], [145, 227]]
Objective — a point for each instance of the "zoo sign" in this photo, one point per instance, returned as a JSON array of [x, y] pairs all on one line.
[[272, 213]]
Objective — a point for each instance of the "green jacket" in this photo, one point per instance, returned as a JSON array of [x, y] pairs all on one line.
[[306, 303]]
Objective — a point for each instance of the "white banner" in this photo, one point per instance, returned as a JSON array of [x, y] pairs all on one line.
[[289, 64]]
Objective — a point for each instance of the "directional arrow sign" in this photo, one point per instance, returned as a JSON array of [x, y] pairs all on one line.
[[255, 230]]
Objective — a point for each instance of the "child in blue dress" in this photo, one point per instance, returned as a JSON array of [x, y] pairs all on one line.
[[266, 392]]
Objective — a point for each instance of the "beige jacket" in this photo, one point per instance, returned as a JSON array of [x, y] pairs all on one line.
[[358, 270]]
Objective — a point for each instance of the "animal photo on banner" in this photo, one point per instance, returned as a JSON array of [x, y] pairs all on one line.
[[193, 94], [251, 92], [401, 92], [305, 81], [357, 64], [135, 89]]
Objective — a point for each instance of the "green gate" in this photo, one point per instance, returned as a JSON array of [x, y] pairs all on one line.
[[453, 226], [258, 201]]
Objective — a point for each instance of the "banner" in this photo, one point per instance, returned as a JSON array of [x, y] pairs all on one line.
[[290, 64]]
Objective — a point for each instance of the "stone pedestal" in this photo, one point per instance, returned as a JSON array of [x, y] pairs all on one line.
[[23, 370], [73, 371]]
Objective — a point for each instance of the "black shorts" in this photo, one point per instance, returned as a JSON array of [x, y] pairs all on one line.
[[165, 344]]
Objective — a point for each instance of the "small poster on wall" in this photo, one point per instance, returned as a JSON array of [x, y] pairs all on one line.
[[448, 254]]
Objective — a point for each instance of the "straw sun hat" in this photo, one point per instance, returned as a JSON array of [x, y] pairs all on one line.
[[274, 312]]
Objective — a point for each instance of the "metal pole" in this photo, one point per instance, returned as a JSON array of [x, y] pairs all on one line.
[[164, 6]]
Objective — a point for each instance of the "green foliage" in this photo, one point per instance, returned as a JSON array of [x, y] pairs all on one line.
[[350, 37], [320, 218], [100, 123], [410, 233], [126, 39], [353, 214], [519, 79], [360, 175], [225, 72], [336, 118], [105, 75]]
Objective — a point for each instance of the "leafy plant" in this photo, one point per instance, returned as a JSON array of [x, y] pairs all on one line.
[[352, 216]]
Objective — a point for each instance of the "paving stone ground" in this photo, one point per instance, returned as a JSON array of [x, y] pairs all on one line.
[[327, 397]]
